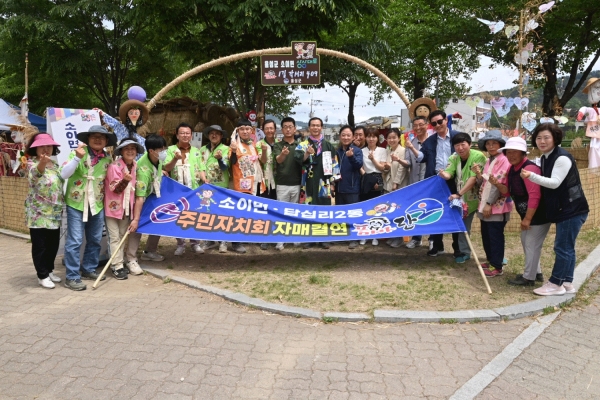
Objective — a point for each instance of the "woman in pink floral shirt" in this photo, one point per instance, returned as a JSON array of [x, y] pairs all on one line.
[[43, 206]]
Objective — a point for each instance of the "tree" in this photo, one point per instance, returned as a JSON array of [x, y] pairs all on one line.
[[568, 40], [81, 48], [209, 29]]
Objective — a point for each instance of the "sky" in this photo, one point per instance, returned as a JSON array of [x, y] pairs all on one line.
[[333, 104]]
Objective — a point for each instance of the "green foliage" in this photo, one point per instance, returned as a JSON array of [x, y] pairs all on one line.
[[82, 52]]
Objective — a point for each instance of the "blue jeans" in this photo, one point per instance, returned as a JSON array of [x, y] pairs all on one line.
[[93, 235], [564, 248]]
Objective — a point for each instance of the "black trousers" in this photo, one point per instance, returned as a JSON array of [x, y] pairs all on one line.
[[44, 246]]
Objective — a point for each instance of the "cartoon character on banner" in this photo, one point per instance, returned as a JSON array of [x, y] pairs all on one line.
[[299, 47], [374, 226], [383, 208], [205, 199], [592, 89]]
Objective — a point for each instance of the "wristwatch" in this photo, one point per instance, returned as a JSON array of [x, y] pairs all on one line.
[[488, 203]]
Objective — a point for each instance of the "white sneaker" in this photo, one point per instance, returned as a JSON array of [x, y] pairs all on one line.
[[46, 283], [363, 242], [149, 256], [223, 247], [179, 250], [414, 243], [550, 289], [569, 288], [134, 268], [197, 249], [375, 242], [53, 277], [279, 246]]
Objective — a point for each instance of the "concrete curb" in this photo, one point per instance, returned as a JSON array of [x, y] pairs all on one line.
[[498, 365], [582, 273], [18, 235]]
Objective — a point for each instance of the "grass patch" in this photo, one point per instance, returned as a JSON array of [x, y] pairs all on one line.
[[375, 277]]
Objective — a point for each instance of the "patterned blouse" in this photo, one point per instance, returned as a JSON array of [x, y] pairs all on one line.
[[44, 203]]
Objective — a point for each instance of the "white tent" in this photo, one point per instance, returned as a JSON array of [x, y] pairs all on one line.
[[9, 119]]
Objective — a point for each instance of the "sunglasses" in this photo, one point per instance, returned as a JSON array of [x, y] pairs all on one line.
[[438, 122]]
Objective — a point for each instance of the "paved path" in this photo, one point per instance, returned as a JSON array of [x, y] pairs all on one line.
[[142, 339], [563, 363]]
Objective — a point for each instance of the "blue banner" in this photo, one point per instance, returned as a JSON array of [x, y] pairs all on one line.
[[214, 213]]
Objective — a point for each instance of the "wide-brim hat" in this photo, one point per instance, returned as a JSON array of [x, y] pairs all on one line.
[[491, 135], [43, 139], [211, 128], [128, 105], [124, 143], [110, 137], [515, 143], [589, 84], [420, 102]]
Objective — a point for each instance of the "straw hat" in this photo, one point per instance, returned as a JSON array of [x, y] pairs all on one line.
[[589, 84], [128, 105], [423, 101]]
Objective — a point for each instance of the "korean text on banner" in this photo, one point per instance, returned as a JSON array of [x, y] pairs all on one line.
[[213, 213]]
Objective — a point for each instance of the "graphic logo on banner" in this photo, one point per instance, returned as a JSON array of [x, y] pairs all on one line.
[[214, 213], [422, 212], [302, 67]]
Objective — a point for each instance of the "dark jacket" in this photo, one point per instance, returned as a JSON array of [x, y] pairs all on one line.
[[567, 200], [349, 170], [429, 150]]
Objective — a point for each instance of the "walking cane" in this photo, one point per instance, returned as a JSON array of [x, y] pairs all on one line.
[[487, 285], [110, 260]]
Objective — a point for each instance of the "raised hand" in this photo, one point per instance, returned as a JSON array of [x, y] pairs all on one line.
[[218, 155], [80, 150], [350, 152]]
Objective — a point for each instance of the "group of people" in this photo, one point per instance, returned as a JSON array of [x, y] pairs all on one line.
[[110, 191]]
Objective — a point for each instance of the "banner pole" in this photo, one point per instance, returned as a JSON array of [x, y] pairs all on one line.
[[110, 260], [487, 285]]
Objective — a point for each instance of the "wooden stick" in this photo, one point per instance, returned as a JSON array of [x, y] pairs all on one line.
[[487, 285], [110, 260]]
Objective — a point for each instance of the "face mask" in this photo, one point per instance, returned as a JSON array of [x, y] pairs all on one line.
[[162, 156]]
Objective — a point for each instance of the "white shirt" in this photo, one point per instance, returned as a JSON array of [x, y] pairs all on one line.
[[561, 168], [380, 154]]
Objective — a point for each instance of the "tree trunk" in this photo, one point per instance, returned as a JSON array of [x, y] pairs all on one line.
[[550, 104], [260, 104], [351, 96], [419, 84]]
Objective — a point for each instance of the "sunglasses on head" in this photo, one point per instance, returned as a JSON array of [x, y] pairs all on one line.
[[438, 122]]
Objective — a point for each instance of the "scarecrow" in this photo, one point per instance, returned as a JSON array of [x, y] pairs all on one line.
[[592, 89], [133, 115], [420, 108]]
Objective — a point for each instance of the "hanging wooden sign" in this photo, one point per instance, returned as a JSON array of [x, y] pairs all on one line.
[[302, 67]]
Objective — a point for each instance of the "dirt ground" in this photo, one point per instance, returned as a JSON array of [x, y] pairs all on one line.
[[364, 279]]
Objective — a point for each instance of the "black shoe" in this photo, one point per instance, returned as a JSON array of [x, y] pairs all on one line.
[[307, 245], [264, 246], [325, 245], [75, 284], [93, 275], [435, 252], [520, 281], [120, 273], [126, 268], [539, 277]]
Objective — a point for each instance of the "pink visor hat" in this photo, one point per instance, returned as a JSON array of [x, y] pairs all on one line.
[[43, 139]]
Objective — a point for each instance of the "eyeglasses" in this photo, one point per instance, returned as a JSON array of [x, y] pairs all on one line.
[[438, 122], [288, 127]]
